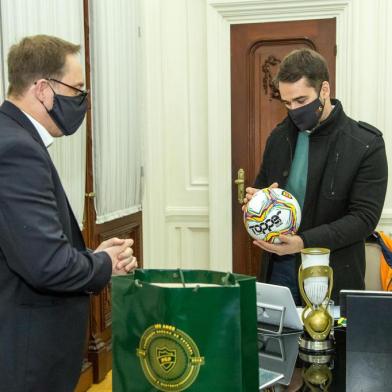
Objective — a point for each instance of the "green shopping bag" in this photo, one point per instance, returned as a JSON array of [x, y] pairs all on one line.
[[177, 330]]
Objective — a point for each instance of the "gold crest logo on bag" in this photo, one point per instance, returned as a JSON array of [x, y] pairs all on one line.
[[166, 358], [169, 358]]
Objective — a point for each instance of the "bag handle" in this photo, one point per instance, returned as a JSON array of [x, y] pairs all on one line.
[[181, 277], [226, 279], [137, 283], [181, 273]]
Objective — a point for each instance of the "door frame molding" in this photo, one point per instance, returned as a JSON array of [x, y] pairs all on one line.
[[221, 14]]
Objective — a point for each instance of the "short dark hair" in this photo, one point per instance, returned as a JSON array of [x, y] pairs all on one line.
[[36, 57], [303, 63]]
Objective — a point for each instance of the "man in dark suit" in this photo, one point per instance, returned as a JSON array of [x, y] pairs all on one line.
[[46, 272]]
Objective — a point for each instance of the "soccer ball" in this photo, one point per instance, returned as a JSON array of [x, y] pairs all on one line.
[[270, 213]]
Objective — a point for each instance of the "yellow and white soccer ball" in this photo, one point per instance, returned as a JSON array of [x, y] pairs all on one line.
[[270, 213]]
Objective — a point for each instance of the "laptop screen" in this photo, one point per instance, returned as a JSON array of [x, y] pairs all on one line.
[[275, 305]]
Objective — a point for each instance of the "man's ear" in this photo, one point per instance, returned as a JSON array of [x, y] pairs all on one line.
[[41, 90], [325, 91]]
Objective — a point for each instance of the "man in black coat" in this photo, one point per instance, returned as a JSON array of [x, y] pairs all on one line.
[[46, 272], [335, 167]]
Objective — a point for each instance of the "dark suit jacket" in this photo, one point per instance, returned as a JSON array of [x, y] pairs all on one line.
[[46, 273]]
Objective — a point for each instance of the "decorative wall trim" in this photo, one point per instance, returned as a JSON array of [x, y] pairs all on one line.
[[187, 237], [153, 138], [220, 15], [197, 183], [186, 211], [258, 11], [188, 245], [196, 69]]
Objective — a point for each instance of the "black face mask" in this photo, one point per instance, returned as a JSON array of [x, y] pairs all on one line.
[[307, 117], [68, 112]]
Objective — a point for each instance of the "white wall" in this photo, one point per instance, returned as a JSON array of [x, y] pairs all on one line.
[[187, 206], [370, 81]]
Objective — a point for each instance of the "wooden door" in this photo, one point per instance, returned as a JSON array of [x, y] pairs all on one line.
[[256, 51]]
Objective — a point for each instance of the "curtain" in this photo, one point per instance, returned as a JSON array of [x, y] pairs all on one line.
[[116, 126]]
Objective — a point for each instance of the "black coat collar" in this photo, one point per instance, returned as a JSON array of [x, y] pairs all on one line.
[[12, 111], [337, 116]]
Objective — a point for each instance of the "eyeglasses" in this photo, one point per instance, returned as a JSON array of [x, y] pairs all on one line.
[[82, 93]]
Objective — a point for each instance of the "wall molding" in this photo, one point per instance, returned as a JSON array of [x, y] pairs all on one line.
[[197, 183], [153, 202], [188, 245], [258, 11], [187, 217], [186, 211], [196, 69], [220, 15]]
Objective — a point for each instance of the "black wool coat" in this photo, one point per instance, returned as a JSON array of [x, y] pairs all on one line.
[[346, 186]]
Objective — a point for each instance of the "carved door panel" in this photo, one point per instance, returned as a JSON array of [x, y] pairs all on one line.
[[256, 51]]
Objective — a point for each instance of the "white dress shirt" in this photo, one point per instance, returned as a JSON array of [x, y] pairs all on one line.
[[46, 137]]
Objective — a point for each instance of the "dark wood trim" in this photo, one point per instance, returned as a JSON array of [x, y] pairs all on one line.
[[89, 208], [100, 354], [129, 226]]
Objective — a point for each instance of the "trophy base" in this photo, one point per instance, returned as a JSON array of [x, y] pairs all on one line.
[[319, 359], [307, 344], [315, 351]]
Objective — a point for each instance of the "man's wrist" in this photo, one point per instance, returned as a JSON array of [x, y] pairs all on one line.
[[303, 242], [300, 243]]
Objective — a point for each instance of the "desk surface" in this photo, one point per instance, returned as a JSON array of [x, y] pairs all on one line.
[[362, 359], [280, 354]]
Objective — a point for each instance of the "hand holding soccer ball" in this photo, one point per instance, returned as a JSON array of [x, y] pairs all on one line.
[[271, 212]]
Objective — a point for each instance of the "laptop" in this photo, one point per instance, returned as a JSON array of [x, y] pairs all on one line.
[[276, 309], [343, 294]]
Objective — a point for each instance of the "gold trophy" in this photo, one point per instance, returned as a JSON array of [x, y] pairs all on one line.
[[315, 278]]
